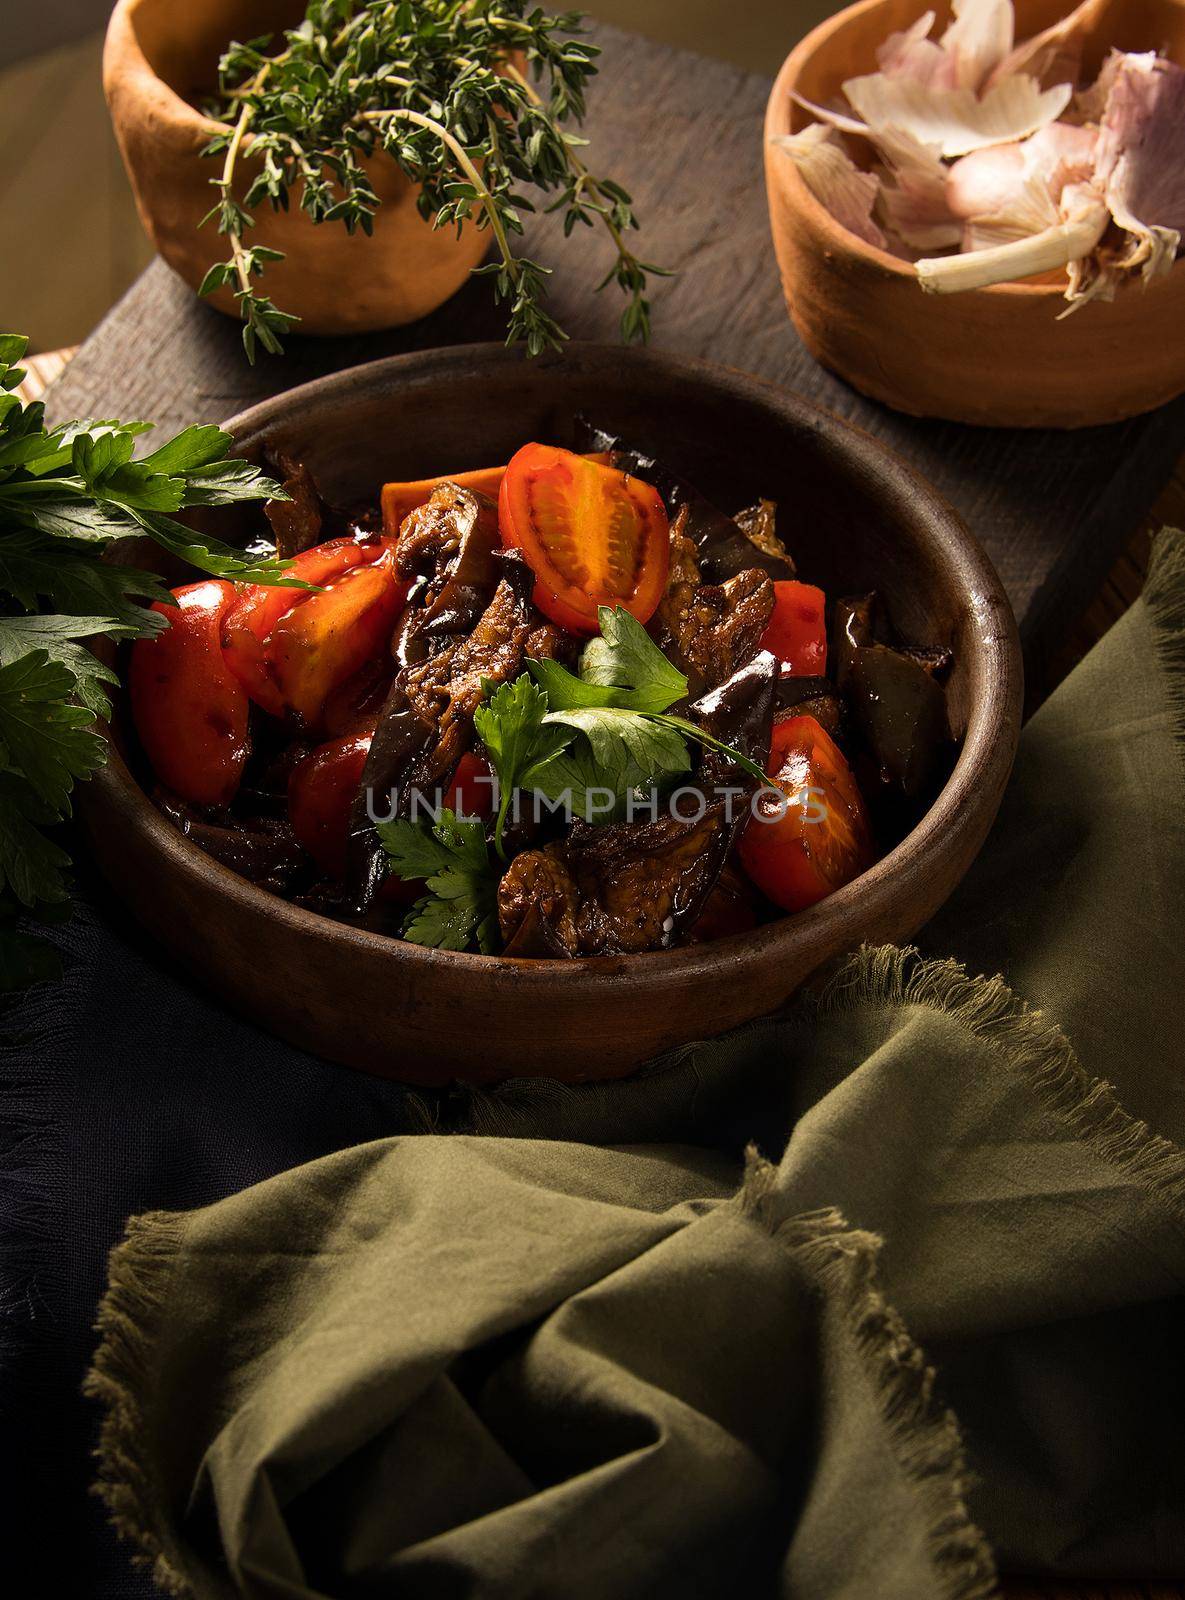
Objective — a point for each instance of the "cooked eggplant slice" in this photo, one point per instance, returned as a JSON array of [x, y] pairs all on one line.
[[723, 546], [613, 890], [450, 545], [262, 850], [427, 722], [297, 522], [710, 630], [812, 697], [759, 524], [896, 703]]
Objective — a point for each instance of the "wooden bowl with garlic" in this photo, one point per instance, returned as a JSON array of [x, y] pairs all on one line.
[[978, 211]]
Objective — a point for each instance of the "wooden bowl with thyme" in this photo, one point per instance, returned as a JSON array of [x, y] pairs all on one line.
[[349, 180], [856, 518]]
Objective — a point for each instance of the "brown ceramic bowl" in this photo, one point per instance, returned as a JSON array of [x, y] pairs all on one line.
[[856, 518], [161, 56], [997, 356]]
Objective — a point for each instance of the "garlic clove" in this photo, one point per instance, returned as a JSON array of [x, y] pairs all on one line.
[[985, 181], [1009, 190]]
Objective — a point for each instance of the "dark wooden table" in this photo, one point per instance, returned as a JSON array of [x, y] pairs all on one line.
[[684, 135]]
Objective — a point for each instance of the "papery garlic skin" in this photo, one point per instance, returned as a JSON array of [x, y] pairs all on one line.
[[1140, 163], [1055, 54], [835, 180], [913, 54], [983, 146], [979, 39], [954, 121], [913, 198]]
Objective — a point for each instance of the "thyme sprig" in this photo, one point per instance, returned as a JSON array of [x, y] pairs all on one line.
[[437, 87]]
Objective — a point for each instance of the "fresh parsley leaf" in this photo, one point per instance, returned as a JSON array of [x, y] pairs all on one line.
[[693, 731], [511, 725], [621, 737], [31, 865], [656, 749], [623, 668], [455, 916], [57, 636], [627, 659], [461, 907], [43, 738], [565, 691], [66, 495], [72, 580], [218, 559], [618, 753], [192, 449]]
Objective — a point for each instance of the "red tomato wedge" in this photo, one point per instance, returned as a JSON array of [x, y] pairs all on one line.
[[321, 643], [189, 710], [797, 630], [592, 535], [400, 499], [259, 607], [321, 792], [799, 852]]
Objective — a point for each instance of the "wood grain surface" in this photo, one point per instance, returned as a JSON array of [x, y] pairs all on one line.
[[684, 134]]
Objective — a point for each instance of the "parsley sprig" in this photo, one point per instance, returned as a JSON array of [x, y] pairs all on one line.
[[460, 908], [66, 495], [436, 86], [577, 740]]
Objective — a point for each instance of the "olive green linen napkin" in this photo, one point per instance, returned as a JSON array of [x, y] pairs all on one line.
[[586, 1347]]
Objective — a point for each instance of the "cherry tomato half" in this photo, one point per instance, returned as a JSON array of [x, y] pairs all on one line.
[[820, 840], [797, 630], [321, 643], [593, 536], [259, 607], [321, 791], [189, 710], [401, 499]]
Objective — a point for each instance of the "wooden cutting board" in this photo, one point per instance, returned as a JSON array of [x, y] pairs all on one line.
[[684, 135]]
